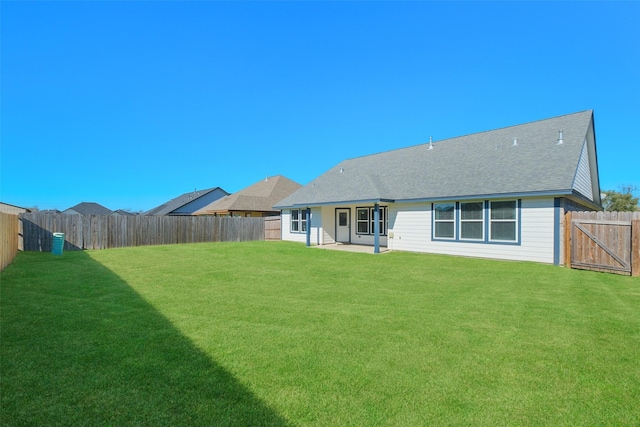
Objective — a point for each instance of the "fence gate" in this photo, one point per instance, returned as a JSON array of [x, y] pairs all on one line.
[[272, 226], [604, 242]]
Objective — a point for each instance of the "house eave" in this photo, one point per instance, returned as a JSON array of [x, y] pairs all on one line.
[[334, 203], [578, 197], [511, 195]]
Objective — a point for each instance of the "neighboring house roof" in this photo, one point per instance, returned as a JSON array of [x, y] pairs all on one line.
[[88, 208], [122, 212], [12, 209], [188, 203], [483, 164], [259, 197]]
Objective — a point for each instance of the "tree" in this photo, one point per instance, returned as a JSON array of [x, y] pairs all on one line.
[[622, 200]]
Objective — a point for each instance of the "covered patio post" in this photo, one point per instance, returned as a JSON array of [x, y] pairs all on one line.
[[308, 222], [376, 228]]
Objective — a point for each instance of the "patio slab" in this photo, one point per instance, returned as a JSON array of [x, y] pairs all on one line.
[[348, 247]]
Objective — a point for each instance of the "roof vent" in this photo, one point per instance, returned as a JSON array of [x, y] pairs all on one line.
[[515, 141], [341, 170], [560, 140], [430, 143]]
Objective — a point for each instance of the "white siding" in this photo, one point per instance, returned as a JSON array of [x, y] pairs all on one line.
[[316, 224], [323, 226], [328, 226], [410, 226], [363, 239], [286, 229], [412, 232], [317, 234], [582, 180]]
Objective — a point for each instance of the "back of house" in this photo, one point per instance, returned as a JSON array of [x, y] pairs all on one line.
[[496, 194]]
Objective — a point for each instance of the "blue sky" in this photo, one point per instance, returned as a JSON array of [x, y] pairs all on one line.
[[131, 103]]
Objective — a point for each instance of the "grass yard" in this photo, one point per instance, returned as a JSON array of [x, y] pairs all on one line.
[[273, 333]]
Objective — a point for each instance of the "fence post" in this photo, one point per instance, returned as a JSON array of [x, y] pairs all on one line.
[[567, 239], [635, 247]]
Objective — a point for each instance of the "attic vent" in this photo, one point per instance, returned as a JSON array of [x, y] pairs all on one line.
[[341, 170], [560, 140], [430, 143], [515, 141]]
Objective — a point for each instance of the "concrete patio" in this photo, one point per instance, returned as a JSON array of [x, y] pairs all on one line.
[[348, 247]]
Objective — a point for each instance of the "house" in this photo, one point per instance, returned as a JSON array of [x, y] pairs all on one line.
[[87, 208], [122, 212], [188, 203], [497, 194], [256, 200], [12, 209]]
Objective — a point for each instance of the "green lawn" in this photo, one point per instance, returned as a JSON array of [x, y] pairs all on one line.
[[273, 333]]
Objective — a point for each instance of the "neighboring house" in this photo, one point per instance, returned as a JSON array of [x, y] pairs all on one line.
[[188, 203], [87, 208], [497, 194], [12, 209], [256, 200], [122, 212]]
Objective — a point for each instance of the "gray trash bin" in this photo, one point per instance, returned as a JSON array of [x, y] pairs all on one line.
[[58, 243]]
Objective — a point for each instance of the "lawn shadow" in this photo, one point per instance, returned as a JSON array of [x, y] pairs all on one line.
[[37, 238], [81, 347]]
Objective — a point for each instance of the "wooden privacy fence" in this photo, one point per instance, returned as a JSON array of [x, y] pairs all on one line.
[[116, 231], [10, 234], [604, 241], [272, 228]]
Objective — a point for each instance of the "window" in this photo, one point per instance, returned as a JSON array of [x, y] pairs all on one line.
[[342, 219], [298, 220], [444, 220], [365, 220], [503, 223], [480, 221], [472, 220], [382, 222], [362, 220]]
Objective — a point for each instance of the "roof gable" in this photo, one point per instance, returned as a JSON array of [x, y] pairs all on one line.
[[518, 159], [181, 204], [88, 208]]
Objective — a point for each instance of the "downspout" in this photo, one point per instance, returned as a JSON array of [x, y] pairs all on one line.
[[376, 228], [308, 226]]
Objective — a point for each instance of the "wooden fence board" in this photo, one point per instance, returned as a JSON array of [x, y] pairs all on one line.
[[103, 232], [635, 247], [10, 237], [603, 241], [272, 228]]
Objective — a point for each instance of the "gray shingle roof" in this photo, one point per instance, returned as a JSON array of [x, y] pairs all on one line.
[[180, 201], [481, 164], [88, 208]]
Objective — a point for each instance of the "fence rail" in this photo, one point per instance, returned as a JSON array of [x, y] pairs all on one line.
[[604, 241], [116, 231], [10, 233]]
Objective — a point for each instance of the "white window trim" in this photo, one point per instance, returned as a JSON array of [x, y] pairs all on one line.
[[363, 221], [481, 221], [295, 221], [515, 220], [453, 220], [384, 220], [301, 221]]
